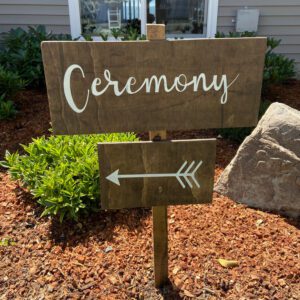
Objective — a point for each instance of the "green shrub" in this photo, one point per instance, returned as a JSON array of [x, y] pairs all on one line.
[[278, 68], [133, 25], [116, 32], [62, 172], [239, 134], [130, 34], [88, 37], [22, 53], [7, 109], [10, 83], [104, 35]]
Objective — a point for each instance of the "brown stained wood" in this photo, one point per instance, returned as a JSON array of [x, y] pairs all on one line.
[[154, 111], [155, 158], [156, 32], [160, 244], [159, 213]]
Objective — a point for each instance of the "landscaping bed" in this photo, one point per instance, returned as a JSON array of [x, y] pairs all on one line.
[[108, 255]]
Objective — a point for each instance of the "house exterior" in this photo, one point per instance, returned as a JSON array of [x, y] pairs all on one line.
[[193, 18]]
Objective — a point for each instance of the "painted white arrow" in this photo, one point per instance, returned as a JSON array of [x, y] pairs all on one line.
[[187, 175]]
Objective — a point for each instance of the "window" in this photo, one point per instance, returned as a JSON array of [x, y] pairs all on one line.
[[103, 15], [183, 18], [179, 16]]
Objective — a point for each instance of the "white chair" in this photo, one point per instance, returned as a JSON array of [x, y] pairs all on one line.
[[114, 18]]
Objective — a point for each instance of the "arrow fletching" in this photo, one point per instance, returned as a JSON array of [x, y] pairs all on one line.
[[187, 175]]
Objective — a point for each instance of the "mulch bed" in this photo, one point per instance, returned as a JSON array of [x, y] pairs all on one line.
[[33, 120], [289, 93], [109, 254]]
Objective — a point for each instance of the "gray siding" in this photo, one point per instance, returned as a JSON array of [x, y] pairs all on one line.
[[54, 14], [279, 19]]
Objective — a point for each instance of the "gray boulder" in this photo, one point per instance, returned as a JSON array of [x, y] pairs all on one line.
[[265, 172]]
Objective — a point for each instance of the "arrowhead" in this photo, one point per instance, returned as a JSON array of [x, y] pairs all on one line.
[[114, 177]]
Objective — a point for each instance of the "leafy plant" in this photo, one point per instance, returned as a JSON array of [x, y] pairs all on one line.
[[62, 172], [104, 36], [235, 34], [115, 32], [88, 37], [131, 34], [133, 24], [10, 83], [7, 109], [277, 68], [239, 134], [22, 53]]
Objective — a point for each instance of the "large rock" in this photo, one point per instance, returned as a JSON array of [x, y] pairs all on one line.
[[265, 173]]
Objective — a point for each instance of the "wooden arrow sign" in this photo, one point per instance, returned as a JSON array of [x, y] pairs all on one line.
[[145, 174]]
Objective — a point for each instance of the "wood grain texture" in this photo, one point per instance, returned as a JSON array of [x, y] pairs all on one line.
[[154, 111], [159, 213], [160, 244], [153, 158], [156, 32]]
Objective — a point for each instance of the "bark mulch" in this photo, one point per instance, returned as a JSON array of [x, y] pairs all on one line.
[[33, 120], [109, 254], [289, 93]]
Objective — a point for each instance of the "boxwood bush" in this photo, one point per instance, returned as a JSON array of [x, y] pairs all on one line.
[[22, 53], [62, 172], [10, 85], [278, 68]]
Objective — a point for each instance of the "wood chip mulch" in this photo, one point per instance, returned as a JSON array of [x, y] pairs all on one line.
[[32, 120], [109, 254], [289, 93]]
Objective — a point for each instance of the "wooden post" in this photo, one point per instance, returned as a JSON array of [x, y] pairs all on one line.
[[159, 213]]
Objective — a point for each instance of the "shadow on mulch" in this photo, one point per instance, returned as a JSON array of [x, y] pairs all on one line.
[[170, 292], [295, 222], [287, 93], [32, 120], [100, 226]]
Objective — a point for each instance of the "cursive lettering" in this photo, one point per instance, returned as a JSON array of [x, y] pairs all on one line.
[[154, 83]]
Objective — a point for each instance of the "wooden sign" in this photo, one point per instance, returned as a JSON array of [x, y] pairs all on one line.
[[145, 174], [154, 86], [96, 87]]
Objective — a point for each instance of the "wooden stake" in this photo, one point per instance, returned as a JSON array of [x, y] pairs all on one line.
[[160, 244], [159, 213]]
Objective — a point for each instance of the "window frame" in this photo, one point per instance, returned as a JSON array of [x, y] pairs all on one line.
[[211, 20]]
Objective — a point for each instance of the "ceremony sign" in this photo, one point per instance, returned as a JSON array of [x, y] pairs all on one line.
[[154, 85], [96, 87], [146, 174]]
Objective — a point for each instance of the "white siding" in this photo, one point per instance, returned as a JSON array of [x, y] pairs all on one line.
[[54, 14], [279, 19]]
